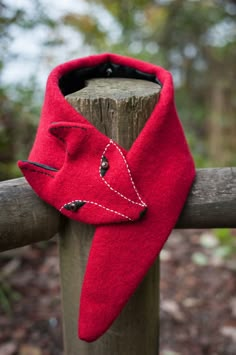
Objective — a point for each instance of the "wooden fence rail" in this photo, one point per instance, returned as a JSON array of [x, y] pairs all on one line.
[[25, 219]]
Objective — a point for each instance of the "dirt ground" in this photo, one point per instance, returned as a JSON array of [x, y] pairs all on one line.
[[198, 298]]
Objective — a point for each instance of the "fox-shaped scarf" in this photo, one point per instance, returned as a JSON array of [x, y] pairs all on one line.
[[134, 197]]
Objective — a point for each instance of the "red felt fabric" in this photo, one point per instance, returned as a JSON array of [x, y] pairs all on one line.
[[154, 177]]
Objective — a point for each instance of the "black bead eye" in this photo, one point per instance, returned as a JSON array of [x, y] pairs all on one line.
[[74, 206], [104, 166]]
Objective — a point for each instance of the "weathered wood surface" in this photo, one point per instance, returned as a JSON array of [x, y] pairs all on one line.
[[212, 200], [119, 108], [25, 219]]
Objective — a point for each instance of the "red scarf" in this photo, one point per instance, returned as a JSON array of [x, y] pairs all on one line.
[[134, 198]]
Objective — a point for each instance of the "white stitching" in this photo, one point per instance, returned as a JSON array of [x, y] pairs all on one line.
[[110, 187], [97, 204], [132, 181], [143, 204]]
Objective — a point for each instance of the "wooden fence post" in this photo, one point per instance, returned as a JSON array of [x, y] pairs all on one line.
[[118, 108]]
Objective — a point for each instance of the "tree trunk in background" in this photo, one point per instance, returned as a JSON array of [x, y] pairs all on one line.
[[221, 137]]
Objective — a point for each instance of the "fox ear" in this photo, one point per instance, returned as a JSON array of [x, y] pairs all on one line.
[[70, 134], [39, 176]]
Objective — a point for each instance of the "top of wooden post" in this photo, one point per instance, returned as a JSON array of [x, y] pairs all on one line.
[[118, 107], [116, 89]]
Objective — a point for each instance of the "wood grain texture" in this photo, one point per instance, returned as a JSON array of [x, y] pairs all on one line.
[[212, 200], [24, 218], [119, 108]]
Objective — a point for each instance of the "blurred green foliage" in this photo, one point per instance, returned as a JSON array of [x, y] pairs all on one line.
[[19, 115], [19, 106], [227, 242], [195, 40], [7, 296]]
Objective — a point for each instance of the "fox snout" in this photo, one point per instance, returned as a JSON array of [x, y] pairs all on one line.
[[94, 184], [109, 193]]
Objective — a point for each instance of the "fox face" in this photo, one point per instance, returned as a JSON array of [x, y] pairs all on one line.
[[94, 185]]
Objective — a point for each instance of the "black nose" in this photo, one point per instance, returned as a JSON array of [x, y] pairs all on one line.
[[143, 212]]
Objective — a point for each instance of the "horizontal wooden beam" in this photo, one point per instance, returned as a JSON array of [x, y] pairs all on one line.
[[212, 200], [25, 219]]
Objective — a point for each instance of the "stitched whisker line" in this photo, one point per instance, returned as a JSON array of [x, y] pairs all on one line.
[[99, 205]]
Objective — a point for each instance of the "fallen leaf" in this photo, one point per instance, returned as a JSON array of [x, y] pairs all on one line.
[[26, 349], [172, 308], [165, 255], [191, 302], [8, 348], [229, 331], [168, 352], [208, 240], [10, 268], [200, 259]]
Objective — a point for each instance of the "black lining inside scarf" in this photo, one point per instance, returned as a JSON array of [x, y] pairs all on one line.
[[76, 79]]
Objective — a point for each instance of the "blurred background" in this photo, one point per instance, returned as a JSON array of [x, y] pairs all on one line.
[[196, 41]]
